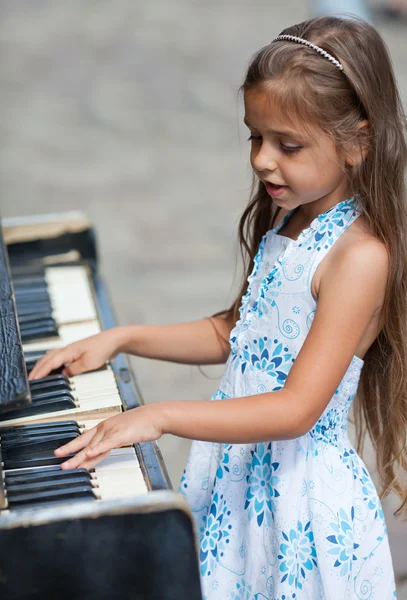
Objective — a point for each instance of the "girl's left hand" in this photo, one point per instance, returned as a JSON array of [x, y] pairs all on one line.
[[141, 424]]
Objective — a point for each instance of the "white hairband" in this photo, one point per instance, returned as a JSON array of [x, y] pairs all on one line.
[[294, 38]]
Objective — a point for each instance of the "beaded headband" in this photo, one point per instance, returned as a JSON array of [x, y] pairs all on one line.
[[294, 38]]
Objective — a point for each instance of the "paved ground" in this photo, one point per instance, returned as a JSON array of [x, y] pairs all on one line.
[[129, 110]]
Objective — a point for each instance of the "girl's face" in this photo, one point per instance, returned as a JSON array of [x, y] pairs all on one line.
[[297, 166]]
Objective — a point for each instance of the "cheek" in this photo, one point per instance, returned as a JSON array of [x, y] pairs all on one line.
[[308, 173], [299, 173]]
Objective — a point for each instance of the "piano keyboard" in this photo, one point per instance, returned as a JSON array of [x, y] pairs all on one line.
[[56, 397], [67, 334], [32, 475], [29, 435], [60, 293], [55, 305]]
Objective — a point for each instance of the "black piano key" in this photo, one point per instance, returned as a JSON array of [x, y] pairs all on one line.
[[33, 318], [39, 486], [25, 280], [47, 458], [41, 331], [30, 366], [37, 323], [36, 319], [38, 394], [40, 407], [52, 502], [35, 444], [49, 426], [24, 300], [34, 354], [83, 492], [31, 452], [47, 469], [37, 475], [27, 270], [48, 382], [33, 308], [36, 281], [39, 434], [51, 386], [31, 293]]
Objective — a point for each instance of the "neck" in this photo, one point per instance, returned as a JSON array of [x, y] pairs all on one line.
[[306, 213]]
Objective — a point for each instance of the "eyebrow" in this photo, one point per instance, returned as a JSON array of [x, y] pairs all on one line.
[[283, 133]]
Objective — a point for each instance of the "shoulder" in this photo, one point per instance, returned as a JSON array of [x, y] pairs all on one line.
[[360, 262], [357, 253], [358, 249]]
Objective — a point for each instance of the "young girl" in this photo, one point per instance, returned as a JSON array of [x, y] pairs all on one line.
[[284, 506]]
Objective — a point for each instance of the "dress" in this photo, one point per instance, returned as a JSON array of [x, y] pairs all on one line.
[[295, 519]]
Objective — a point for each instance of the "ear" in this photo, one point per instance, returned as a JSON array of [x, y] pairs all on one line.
[[360, 147]]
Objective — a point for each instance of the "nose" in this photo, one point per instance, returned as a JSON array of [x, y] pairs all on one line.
[[264, 158]]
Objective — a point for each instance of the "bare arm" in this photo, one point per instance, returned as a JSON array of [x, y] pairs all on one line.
[[201, 342]]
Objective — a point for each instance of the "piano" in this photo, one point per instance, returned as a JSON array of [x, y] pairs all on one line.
[[122, 517]]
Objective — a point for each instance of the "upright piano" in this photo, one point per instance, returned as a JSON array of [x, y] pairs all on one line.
[[118, 530]]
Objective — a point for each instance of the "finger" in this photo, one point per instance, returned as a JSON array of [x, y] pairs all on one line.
[[75, 368], [102, 447], [75, 461], [78, 443], [54, 361], [91, 463], [40, 363], [80, 457]]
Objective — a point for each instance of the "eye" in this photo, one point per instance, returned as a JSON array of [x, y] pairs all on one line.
[[254, 138], [290, 149]]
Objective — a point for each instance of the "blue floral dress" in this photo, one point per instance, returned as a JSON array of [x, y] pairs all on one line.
[[296, 519]]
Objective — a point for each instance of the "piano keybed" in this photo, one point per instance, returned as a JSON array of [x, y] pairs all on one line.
[[61, 407], [57, 397], [32, 475], [48, 297]]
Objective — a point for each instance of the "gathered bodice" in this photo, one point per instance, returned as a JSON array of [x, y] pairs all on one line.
[[278, 309]]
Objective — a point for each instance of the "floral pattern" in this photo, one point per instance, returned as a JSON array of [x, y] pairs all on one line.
[[344, 549], [215, 535], [298, 518], [370, 495], [262, 485], [260, 354], [298, 554]]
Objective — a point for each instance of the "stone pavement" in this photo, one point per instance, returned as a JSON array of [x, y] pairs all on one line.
[[129, 111]]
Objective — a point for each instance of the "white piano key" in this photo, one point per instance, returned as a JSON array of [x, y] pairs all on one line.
[[70, 292], [74, 332], [125, 460], [94, 380], [120, 483], [67, 335]]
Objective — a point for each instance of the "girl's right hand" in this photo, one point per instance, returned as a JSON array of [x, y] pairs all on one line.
[[85, 355]]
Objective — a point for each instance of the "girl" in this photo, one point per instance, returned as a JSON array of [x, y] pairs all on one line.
[[284, 506]]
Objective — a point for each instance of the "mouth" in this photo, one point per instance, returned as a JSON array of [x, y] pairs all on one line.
[[275, 190]]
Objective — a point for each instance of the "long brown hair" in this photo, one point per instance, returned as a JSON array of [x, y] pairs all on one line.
[[311, 88]]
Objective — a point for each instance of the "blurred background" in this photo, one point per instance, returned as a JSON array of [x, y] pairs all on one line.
[[130, 111]]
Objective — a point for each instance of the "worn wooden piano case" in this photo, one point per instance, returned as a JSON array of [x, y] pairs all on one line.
[[139, 548], [130, 550]]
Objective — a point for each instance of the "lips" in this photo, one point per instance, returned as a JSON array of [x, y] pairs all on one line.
[[275, 190]]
